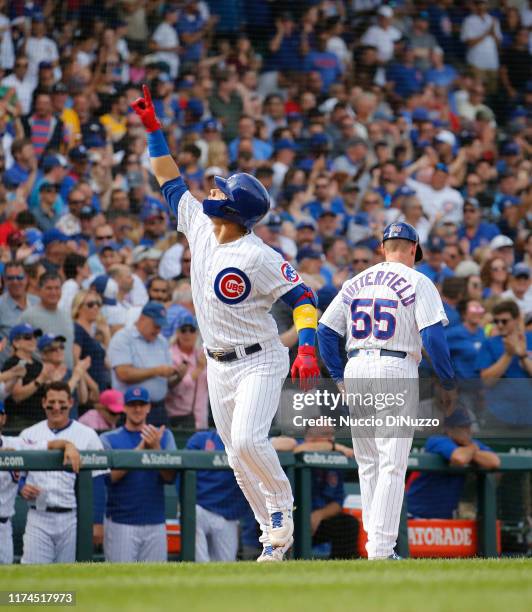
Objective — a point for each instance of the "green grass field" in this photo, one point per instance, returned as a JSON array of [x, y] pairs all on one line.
[[302, 586]]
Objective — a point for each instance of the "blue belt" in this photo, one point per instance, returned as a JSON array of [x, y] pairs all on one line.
[[383, 353]]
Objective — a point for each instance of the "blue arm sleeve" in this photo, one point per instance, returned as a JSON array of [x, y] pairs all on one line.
[[173, 192], [98, 496], [436, 346], [329, 343]]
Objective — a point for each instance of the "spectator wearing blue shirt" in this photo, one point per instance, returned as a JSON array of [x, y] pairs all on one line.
[[440, 74], [403, 77], [24, 161], [192, 29], [453, 290], [477, 233], [323, 200], [219, 505], [285, 46], [322, 61], [508, 356], [436, 495], [262, 150], [432, 265], [135, 531]]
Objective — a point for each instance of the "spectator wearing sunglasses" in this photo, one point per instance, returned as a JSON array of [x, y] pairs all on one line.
[[45, 213], [15, 299], [91, 337], [507, 356], [187, 401], [24, 402]]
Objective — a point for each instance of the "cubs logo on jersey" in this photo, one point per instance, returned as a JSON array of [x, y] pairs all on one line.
[[289, 273], [232, 286]]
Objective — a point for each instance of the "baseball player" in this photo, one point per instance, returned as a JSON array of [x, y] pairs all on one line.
[[136, 531], [9, 481], [50, 535], [235, 279], [387, 312]]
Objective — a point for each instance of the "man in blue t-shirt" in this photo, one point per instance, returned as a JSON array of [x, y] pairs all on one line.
[[219, 505], [323, 61], [505, 364], [134, 526], [478, 233], [436, 495]]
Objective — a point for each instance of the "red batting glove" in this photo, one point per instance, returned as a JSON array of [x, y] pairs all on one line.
[[145, 110], [306, 366]]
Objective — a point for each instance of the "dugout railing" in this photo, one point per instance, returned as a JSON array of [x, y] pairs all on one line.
[[298, 469]]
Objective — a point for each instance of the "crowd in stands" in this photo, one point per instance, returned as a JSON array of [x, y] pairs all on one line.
[[353, 114]]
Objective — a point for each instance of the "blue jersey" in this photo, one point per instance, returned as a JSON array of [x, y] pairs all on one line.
[[217, 490], [435, 495], [138, 497], [327, 487], [452, 315], [493, 349], [464, 347], [482, 237]]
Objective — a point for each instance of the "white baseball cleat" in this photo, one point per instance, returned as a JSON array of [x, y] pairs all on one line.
[[281, 528], [269, 553]]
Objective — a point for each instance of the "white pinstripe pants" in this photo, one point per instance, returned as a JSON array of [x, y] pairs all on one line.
[[216, 537], [134, 543], [49, 537], [382, 461], [6, 542], [244, 397]]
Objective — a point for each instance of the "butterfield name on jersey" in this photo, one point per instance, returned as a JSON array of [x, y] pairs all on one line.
[[397, 283]]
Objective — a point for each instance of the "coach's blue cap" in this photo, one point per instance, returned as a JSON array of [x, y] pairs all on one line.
[[137, 394], [22, 329], [156, 312], [48, 339], [459, 418]]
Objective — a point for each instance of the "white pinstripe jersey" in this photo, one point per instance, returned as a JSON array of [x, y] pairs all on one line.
[[9, 479], [233, 285], [385, 306], [58, 486]]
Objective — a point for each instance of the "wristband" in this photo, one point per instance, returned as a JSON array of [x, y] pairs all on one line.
[[157, 145]]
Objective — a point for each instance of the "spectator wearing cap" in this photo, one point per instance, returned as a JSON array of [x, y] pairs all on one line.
[[324, 198], [165, 41], [55, 250], [53, 171], [329, 224], [45, 130], [452, 292], [481, 33], [403, 77], [503, 246], [421, 40], [91, 337], [45, 213], [383, 35], [79, 159], [15, 298], [52, 353], [48, 316], [21, 82], [145, 264], [104, 236], [309, 262], [24, 162], [503, 359], [70, 223], [520, 290], [75, 271], [510, 221], [439, 200], [107, 289], [494, 276], [270, 232], [107, 411], [433, 265], [141, 355], [23, 402], [136, 532], [283, 159], [477, 233], [187, 401], [433, 495], [262, 150]]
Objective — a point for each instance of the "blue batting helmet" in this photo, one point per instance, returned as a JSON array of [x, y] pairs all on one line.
[[247, 200], [403, 231]]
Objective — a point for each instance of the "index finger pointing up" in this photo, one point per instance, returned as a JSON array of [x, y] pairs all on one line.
[[147, 94]]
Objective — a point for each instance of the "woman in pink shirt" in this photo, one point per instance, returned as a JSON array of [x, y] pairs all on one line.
[[107, 411], [187, 402]]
